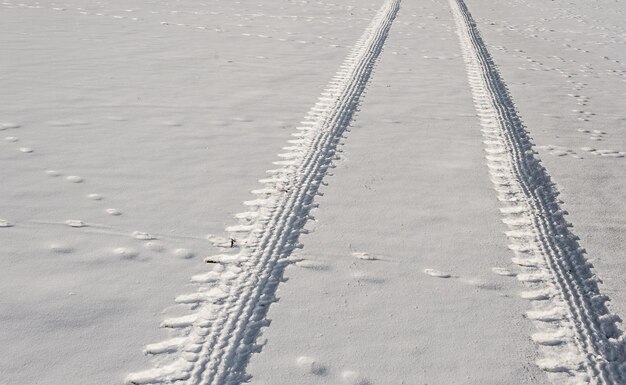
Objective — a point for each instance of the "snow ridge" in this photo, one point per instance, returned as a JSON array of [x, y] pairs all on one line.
[[577, 334], [231, 301]]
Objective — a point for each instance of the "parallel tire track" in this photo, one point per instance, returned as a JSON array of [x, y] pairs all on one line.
[[579, 336], [232, 300]]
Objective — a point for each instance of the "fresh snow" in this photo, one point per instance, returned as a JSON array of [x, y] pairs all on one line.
[[312, 192]]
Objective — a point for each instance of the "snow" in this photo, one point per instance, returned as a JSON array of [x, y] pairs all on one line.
[[557, 77], [147, 145], [412, 188], [169, 125]]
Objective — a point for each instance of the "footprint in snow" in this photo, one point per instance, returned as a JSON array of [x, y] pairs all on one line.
[[353, 378], [311, 365], [53, 173], [5, 223]]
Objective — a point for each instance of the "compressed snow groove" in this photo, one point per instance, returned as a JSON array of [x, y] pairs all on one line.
[[577, 334], [231, 301]]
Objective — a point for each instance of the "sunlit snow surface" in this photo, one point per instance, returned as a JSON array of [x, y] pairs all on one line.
[[131, 131]]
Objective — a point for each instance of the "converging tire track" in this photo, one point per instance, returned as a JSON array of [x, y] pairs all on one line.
[[232, 300], [577, 333]]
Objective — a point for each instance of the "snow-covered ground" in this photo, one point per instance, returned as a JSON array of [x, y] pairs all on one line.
[[566, 67], [132, 131], [171, 125]]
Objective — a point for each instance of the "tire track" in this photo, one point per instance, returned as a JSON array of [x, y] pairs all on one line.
[[577, 335], [232, 300]]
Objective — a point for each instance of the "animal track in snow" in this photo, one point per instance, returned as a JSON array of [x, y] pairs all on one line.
[[75, 223], [350, 377], [53, 173], [219, 29], [437, 273], [312, 366], [67, 123], [183, 253], [502, 271], [61, 248], [126, 253], [5, 223], [559, 151], [154, 246], [313, 265], [74, 179], [226, 339], [143, 236], [95, 197], [597, 135], [610, 153], [552, 315], [7, 125], [11, 139], [583, 115], [364, 256], [483, 284], [114, 212], [550, 339], [26, 150], [221, 242], [365, 277], [606, 153]]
